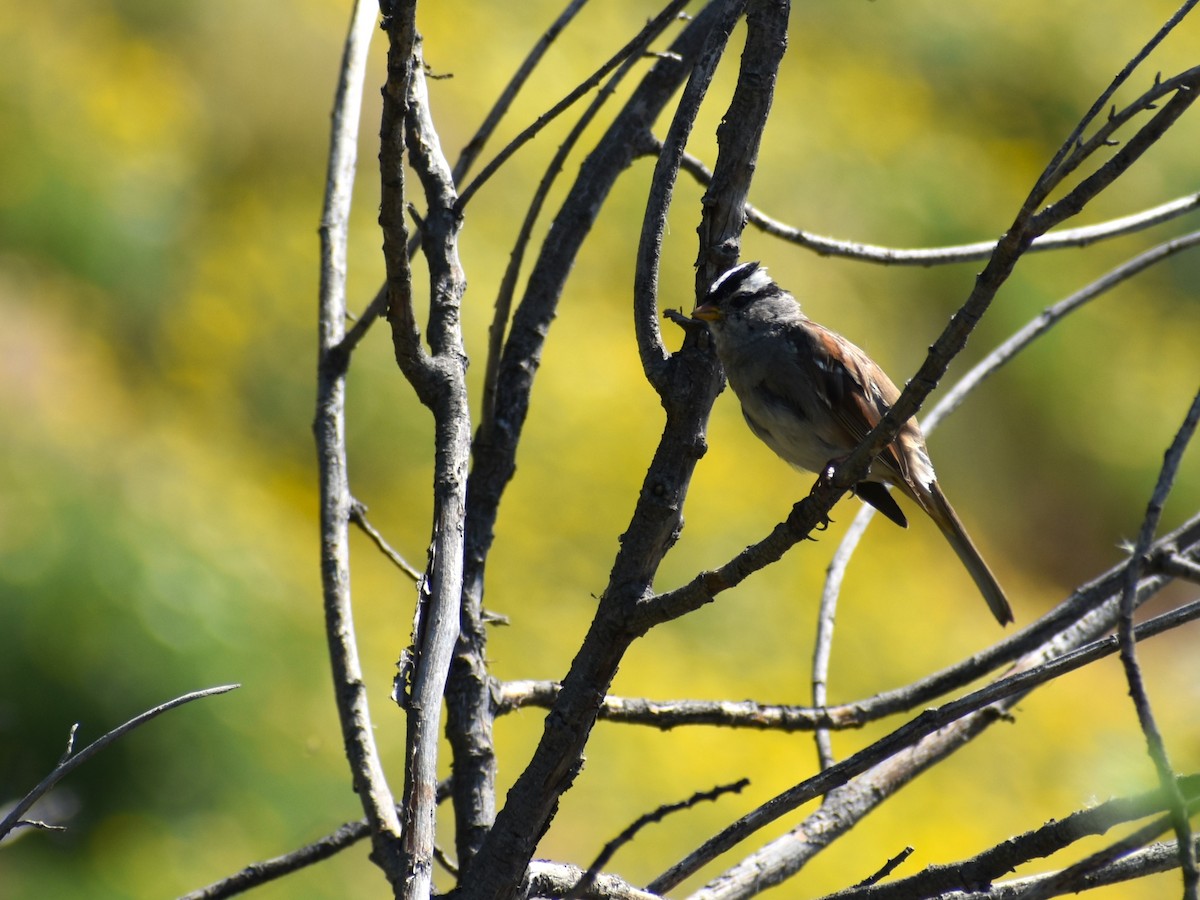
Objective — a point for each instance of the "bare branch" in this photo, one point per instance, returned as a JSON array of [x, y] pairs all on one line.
[[1065, 238], [1050, 317], [826, 617], [632, 47], [589, 877], [1185, 92], [887, 868], [548, 879], [471, 151], [1104, 136], [468, 700], [1055, 835], [668, 714], [1151, 860], [1065, 880], [1169, 562], [441, 384], [497, 870], [652, 351], [1054, 172], [508, 284], [259, 873], [329, 429], [738, 139], [931, 256], [892, 761], [68, 763], [358, 515], [1133, 673], [1021, 339], [339, 179], [475, 145]]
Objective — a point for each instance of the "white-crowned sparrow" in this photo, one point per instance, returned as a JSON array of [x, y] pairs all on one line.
[[812, 396]]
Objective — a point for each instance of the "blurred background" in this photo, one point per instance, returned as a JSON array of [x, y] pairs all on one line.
[[160, 189]]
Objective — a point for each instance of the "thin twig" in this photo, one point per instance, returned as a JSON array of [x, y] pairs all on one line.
[[358, 515], [632, 47], [1064, 238], [657, 815], [475, 145], [1048, 318], [1055, 171], [1133, 673], [1186, 88], [68, 763], [887, 868], [826, 619], [508, 283], [259, 873]]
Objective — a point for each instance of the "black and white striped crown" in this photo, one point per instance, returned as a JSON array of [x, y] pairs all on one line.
[[744, 280]]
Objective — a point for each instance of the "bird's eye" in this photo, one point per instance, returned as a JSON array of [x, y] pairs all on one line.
[[739, 301]]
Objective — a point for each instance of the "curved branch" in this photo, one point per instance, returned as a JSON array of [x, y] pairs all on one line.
[[651, 350], [1050, 317], [329, 429], [69, 763], [823, 245]]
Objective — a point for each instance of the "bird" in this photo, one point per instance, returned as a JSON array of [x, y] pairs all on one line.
[[812, 397]]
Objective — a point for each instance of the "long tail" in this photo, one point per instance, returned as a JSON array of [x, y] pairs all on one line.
[[951, 526]]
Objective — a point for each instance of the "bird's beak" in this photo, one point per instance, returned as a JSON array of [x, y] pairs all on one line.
[[706, 312]]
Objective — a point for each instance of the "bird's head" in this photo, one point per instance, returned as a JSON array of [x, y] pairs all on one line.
[[745, 292]]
